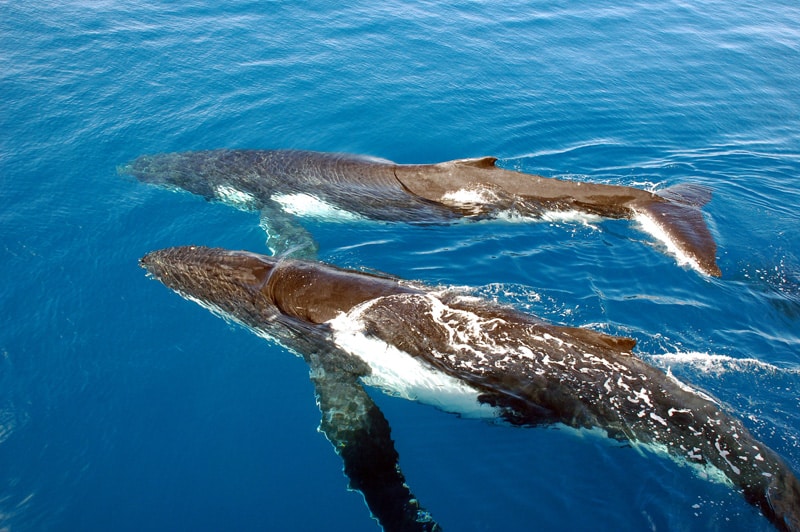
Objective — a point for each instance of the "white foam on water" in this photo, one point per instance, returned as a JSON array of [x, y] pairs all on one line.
[[310, 206], [469, 196], [470, 199], [572, 216], [717, 364], [398, 373], [364, 244]]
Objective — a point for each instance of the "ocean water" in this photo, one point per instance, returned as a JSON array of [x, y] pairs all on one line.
[[124, 407]]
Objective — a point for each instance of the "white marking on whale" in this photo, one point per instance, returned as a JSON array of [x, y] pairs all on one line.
[[310, 206], [654, 228], [236, 198], [401, 375]]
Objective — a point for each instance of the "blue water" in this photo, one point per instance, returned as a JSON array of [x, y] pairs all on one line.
[[124, 407]]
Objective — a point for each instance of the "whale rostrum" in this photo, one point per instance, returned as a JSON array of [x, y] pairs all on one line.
[[275, 181], [469, 356]]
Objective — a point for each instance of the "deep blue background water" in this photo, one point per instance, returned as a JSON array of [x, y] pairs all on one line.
[[123, 407]]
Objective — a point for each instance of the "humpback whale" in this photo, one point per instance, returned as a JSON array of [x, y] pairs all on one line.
[[275, 181], [465, 355]]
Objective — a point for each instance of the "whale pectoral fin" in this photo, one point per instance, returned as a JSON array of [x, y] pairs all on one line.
[[285, 236], [360, 434]]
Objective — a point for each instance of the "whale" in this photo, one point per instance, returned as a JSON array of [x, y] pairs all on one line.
[[277, 182], [476, 358]]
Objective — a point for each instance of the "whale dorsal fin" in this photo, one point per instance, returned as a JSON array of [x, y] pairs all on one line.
[[621, 344], [477, 162]]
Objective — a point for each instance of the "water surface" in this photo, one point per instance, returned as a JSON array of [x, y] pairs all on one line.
[[124, 407]]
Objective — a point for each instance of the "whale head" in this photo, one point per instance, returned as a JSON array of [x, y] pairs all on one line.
[[257, 289], [183, 171], [229, 283]]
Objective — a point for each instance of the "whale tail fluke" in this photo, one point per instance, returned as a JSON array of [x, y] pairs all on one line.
[[675, 218], [687, 194]]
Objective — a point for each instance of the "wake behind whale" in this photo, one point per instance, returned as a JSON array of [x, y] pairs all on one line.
[[272, 180], [466, 355]]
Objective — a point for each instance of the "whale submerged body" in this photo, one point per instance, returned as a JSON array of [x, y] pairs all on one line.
[[466, 355], [275, 181]]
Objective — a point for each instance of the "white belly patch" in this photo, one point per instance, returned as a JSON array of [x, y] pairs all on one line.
[[310, 206], [398, 373]]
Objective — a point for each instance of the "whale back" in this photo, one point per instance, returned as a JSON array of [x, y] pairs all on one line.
[[316, 293]]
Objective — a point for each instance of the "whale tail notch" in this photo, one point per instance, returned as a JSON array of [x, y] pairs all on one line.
[[675, 218]]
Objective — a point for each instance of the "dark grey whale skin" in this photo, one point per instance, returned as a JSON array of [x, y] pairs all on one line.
[[422, 193], [531, 371]]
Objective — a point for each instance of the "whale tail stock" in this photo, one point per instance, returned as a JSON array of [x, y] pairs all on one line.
[[766, 481]]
